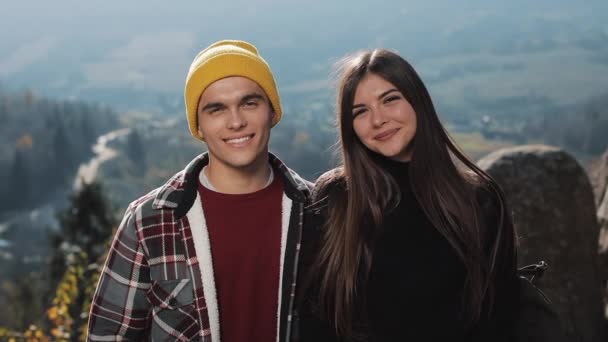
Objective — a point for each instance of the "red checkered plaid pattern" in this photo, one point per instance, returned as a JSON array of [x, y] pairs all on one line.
[[150, 288]]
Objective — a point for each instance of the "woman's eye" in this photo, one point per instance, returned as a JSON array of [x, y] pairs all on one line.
[[391, 99], [358, 112]]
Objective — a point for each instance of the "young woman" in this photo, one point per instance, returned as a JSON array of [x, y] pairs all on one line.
[[413, 241]]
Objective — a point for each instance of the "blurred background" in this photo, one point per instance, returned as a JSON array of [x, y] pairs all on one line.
[[92, 113]]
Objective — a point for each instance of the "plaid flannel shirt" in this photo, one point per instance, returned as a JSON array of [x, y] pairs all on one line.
[[154, 286]]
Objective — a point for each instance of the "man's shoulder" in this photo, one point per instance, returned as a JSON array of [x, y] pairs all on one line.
[[144, 205], [159, 198], [294, 180], [300, 181]]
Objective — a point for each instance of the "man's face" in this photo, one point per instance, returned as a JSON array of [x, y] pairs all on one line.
[[234, 119]]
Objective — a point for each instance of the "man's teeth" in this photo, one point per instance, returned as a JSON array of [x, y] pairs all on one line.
[[238, 140]]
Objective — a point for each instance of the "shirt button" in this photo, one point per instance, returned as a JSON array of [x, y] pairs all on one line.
[[173, 302]]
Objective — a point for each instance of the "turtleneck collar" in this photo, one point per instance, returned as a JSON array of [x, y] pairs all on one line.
[[398, 169]]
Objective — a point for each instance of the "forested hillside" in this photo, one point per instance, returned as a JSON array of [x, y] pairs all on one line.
[[42, 143]]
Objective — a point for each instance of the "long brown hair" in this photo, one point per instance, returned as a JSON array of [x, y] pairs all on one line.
[[446, 192]]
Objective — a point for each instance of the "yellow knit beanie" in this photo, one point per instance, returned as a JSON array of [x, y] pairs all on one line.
[[224, 59]]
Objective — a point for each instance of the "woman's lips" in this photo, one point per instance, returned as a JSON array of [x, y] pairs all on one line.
[[386, 134]]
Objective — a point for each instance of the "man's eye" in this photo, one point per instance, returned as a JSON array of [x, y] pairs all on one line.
[[251, 104]]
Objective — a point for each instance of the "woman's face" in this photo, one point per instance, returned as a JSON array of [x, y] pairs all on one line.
[[383, 119]]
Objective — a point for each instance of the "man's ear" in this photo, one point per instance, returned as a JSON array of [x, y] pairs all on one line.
[[273, 117], [200, 133]]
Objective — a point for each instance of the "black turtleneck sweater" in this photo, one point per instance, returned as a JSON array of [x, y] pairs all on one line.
[[416, 280], [415, 287]]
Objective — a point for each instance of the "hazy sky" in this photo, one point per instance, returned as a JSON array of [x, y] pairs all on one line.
[[465, 50]]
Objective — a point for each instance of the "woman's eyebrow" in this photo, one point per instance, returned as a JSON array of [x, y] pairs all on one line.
[[379, 97]]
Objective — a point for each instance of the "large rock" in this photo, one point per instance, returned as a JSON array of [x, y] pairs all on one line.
[[599, 180], [555, 217], [599, 177], [602, 216], [598, 172]]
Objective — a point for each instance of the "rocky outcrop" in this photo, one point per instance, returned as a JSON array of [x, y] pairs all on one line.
[[554, 214], [602, 217], [598, 174], [599, 180]]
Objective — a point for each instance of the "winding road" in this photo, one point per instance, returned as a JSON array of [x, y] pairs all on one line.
[[88, 171]]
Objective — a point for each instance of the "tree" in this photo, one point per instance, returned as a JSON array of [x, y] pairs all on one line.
[[87, 136], [19, 181], [136, 151], [84, 226], [63, 152], [3, 108], [22, 300]]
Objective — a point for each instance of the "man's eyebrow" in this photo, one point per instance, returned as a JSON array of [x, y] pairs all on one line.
[[213, 105], [379, 97], [243, 100], [252, 96]]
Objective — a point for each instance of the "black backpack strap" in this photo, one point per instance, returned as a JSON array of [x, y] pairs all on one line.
[[533, 271], [536, 319]]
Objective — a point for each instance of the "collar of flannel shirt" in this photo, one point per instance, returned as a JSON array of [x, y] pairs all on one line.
[[179, 192]]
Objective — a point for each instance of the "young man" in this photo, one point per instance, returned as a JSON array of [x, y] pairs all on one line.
[[211, 255]]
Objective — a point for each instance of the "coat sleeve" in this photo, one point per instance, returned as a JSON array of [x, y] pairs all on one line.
[[308, 323], [120, 310]]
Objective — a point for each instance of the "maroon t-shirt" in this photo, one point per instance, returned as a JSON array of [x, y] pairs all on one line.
[[245, 235]]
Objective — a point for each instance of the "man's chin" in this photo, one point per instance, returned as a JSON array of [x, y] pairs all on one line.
[[245, 164]]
